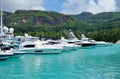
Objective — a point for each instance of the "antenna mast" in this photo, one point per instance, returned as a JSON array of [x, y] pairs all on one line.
[[1, 30]]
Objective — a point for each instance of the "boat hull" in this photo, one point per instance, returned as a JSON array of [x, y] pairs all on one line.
[[5, 55], [41, 51], [69, 48]]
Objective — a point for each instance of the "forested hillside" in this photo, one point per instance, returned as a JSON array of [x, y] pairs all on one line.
[[102, 26]]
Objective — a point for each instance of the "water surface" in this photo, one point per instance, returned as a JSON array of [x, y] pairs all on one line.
[[83, 63]]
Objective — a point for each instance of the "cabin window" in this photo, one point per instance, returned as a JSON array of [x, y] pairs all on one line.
[[70, 42], [29, 46]]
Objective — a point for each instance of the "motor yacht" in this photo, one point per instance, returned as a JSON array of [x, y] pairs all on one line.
[[5, 52], [38, 46], [87, 41], [90, 42], [69, 44]]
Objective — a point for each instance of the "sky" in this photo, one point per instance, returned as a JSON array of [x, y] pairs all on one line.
[[63, 6]]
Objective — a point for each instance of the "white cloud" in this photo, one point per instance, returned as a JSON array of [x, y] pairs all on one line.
[[13, 5], [102, 6], [78, 6], [74, 6]]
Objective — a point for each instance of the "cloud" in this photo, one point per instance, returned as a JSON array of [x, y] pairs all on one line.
[[102, 6], [118, 4], [13, 5], [94, 6], [68, 6], [74, 6]]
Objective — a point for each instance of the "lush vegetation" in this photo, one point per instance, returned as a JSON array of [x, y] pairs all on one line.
[[103, 26]]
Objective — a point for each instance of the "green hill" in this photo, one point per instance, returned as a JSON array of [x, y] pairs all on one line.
[[42, 23], [101, 17], [103, 26], [37, 18]]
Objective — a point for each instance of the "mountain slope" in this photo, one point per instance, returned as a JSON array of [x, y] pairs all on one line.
[[101, 17], [37, 18]]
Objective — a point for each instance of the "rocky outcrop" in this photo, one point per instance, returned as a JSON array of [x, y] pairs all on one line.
[[36, 18]]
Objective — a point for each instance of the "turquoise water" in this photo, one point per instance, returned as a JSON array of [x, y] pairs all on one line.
[[83, 63]]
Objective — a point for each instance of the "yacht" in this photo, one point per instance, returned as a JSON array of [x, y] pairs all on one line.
[[90, 42], [42, 47], [69, 44], [64, 44], [72, 39], [5, 52], [87, 41]]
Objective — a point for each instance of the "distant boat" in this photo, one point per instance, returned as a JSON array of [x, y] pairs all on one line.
[[69, 44], [87, 41], [82, 43], [90, 42], [72, 39]]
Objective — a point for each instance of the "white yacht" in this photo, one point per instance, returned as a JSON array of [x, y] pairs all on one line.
[[64, 43], [87, 41], [69, 44], [90, 42], [5, 52], [72, 39], [39, 47]]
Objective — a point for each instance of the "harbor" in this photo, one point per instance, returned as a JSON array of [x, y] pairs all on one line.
[[59, 39], [33, 45]]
